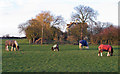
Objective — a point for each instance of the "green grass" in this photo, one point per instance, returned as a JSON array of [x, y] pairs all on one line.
[[37, 58], [0, 55]]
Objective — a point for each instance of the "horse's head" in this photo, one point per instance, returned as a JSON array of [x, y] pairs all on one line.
[[52, 48]]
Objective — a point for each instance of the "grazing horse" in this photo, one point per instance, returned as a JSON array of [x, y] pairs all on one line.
[[107, 48], [83, 43], [12, 43], [55, 47]]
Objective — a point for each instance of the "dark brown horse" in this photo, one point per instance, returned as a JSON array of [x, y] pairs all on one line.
[[12, 43]]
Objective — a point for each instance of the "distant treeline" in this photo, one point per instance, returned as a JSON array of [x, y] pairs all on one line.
[[12, 37]]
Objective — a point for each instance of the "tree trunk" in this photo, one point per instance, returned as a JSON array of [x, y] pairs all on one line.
[[81, 35], [33, 40], [29, 41], [96, 42], [101, 41], [108, 42], [91, 40], [42, 36], [81, 31]]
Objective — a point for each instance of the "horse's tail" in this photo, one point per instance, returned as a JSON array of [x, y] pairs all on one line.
[[111, 51]]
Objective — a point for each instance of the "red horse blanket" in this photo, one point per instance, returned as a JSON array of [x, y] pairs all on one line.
[[105, 47]]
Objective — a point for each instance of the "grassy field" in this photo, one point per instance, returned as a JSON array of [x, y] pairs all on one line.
[[37, 58], [0, 56]]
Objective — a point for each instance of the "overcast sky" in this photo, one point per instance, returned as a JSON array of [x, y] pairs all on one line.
[[15, 12]]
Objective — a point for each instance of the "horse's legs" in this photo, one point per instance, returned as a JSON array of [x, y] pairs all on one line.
[[12, 48], [101, 53], [54, 49], [98, 51], [58, 49], [87, 47], [6, 47], [80, 45], [111, 54], [108, 54]]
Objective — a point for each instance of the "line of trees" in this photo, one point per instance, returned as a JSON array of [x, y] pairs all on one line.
[[46, 27], [104, 32]]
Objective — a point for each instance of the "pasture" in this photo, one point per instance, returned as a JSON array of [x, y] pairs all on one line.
[[40, 58]]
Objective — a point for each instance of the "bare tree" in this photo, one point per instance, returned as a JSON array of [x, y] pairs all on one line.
[[99, 26], [83, 15], [58, 20], [22, 27]]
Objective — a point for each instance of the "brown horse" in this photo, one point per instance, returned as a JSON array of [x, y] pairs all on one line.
[[12, 43], [107, 48]]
